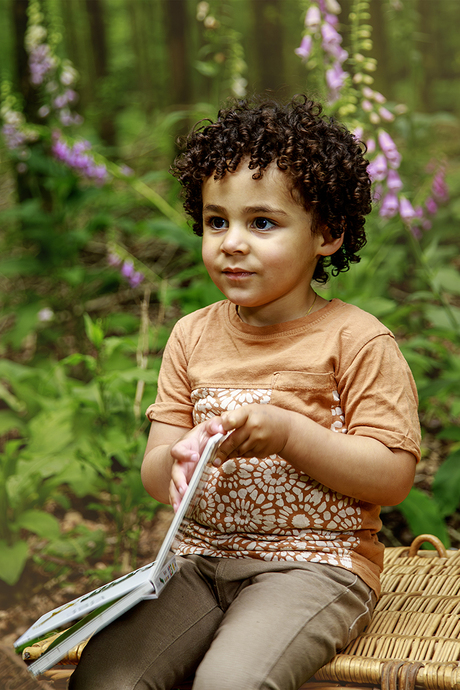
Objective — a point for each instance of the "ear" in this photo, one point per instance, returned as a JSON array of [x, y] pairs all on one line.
[[329, 245]]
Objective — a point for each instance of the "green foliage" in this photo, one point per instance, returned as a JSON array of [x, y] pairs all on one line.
[[81, 349]]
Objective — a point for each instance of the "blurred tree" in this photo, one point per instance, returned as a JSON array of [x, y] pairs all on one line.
[[177, 25], [106, 120], [269, 40]]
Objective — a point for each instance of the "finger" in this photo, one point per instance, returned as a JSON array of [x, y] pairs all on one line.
[[214, 426], [235, 418]]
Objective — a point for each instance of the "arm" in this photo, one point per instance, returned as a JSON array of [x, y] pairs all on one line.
[[171, 456], [356, 466]]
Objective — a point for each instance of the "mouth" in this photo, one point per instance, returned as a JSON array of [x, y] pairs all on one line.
[[237, 273]]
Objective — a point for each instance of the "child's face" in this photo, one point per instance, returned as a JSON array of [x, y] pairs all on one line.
[[258, 246]]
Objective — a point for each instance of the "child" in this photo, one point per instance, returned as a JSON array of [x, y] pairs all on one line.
[[280, 567]]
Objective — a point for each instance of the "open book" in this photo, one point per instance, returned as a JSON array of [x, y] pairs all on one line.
[[105, 604]]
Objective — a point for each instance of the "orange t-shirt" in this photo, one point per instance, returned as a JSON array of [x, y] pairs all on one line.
[[339, 366]]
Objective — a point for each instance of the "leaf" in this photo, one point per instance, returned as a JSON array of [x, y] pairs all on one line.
[[440, 318], [446, 484], [12, 561], [423, 515], [39, 522], [51, 431], [11, 400], [447, 279], [10, 421], [94, 331]]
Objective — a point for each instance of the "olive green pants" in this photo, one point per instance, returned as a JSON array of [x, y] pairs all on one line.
[[238, 624]]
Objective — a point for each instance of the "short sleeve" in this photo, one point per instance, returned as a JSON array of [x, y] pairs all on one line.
[[173, 403], [379, 398]]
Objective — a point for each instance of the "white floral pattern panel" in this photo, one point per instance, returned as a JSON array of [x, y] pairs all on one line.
[[264, 508]]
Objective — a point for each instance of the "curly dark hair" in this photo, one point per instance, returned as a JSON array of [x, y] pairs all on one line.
[[324, 161]]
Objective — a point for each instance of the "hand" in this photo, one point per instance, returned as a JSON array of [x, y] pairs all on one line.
[[186, 452], [258, 431]]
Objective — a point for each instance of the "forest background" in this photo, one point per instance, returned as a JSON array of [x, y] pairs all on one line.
[[97, 261]]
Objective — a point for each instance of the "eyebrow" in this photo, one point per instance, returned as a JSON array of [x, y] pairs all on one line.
[[270, 210]]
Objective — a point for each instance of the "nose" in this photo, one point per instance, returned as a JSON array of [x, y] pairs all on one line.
[[235, 240]]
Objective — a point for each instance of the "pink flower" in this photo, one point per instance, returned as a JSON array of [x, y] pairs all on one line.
[[330, 36], [389, 206], [304, 49], [431, 205], [113, 259], [389, 149], [136, 279], [377, 169], [127, 270], [313, 18], [370, 143], [394, 182], [386, 115], [439, 187], [406, 210], [366, 106]]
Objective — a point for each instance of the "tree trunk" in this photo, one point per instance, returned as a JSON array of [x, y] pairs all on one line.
[[95, 11], [268, 37], [176, 21]]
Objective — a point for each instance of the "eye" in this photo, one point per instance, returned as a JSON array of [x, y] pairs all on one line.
[[263, 224], [217, 223]]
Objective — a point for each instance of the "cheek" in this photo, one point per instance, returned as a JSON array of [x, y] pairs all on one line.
[[208, 253]]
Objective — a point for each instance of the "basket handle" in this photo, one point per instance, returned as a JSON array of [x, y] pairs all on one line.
[[437, 543]]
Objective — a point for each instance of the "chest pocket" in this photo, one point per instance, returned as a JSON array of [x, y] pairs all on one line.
[[311, 394]]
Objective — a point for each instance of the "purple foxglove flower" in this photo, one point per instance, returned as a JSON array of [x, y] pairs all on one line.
[[416, 232], [406, 210], [386, 142], [60, 101], [431, 205], [44, 111], [66, 117], [113, 259], [81, 146], [337, 52], [377, 169], [60, 150], [126, 170], [366, 106], [394, 182], [305, 47], [358, 133], [330, 36], [331, 19], [439, 187], [136, 279], [427, 225], [335, 78], [377, 193], [386, 115], [379, 97], [127, 270], [71, 96], [313, 18], [370, 143], [418, 212], [332, 6], [368, 92], [389, 207]]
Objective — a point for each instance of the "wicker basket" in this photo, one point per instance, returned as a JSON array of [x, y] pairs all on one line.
[[413, 638]]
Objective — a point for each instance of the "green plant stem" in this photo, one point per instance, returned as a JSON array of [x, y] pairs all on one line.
[[147, 192]]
